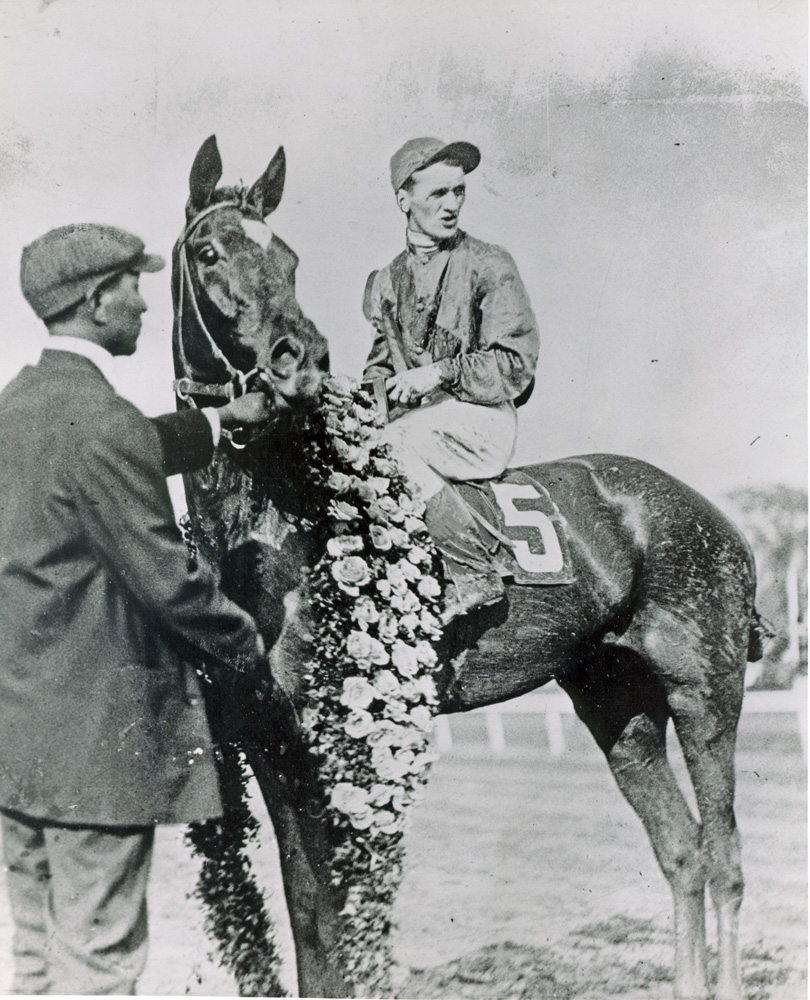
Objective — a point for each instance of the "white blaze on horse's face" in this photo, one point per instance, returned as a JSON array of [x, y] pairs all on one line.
[[257, 231]]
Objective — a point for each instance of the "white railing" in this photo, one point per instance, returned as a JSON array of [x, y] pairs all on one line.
[[552, 703]]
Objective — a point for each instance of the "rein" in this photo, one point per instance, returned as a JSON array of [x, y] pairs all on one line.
[[186, 387]]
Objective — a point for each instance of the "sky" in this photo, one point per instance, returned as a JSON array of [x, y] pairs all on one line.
[[644, 163]]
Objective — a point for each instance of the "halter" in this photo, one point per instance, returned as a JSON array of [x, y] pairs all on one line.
[[184, 387]]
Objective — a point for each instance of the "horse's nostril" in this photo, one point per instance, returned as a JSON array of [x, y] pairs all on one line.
[[285, 358]]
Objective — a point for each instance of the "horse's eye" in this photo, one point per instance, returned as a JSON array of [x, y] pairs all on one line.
[[207, 255]]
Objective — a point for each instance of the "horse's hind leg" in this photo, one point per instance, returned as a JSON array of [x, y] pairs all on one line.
[[704, 691], [626, 711]]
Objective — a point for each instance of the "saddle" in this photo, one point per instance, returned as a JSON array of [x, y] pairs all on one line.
[[521, 526]]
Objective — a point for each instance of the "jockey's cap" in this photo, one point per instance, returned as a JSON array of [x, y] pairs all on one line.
[[419, 153]]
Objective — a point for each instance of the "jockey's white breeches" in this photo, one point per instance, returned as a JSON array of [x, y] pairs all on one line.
[[457, 440]]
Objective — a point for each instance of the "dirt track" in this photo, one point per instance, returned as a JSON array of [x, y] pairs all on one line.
[[530, 877]]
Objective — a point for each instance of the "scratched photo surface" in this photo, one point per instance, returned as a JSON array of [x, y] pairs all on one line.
[[645, 165]]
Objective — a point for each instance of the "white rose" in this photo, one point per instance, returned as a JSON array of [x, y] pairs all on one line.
[[429, 587], [431, 624], [344, 545], [384, 587], [380, 484], [387, 822], [411, 691], [404, 658], [386, 684], [348, 798], [365, 611], [420, 716], [400, 538], [358, 724], [426, 654], [357, 692], [417, 554], [388, 627], [410, 622], [427, 686], [380, 794], [380, 538], [413, 525], [405, 602]]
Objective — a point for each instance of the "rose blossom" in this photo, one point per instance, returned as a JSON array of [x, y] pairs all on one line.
[[358, 724], [365, 492], [380, 538], [384, 587], [410, 690], [386, 683], [413, 525], [365, 649], [348, 798], [411, 505], [429, 587], [387, 766], [427, 686], [391, 508], [405, 602], [387, 822], [431, 624], [380, 484], [387, 734], [351, 573], [385, 466], [387, 628], [418, 554], [426, 654], [400, 538], [342, 511], [344, 545], [365, 611], [380, 794], [357, 692], [404, 659], [338, 482], [420, 716]]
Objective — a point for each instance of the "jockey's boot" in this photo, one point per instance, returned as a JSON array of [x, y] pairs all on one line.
[[472, 581]]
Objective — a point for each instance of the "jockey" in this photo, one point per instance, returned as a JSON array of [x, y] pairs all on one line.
[[455, 348]]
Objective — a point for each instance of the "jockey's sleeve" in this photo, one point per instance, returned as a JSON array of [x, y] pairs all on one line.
[[379, 363], [504, 360]]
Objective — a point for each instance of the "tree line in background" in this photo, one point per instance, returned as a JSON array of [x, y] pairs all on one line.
[[774, 520]]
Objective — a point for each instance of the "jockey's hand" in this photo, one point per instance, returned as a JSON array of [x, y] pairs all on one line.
[[254, 409], [407, 388]]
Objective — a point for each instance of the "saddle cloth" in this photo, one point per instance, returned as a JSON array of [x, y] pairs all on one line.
[[522, 527]]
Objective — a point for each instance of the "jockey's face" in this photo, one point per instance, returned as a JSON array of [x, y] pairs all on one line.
[[434, 200]]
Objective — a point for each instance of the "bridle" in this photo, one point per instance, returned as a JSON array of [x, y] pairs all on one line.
[[186, 387]]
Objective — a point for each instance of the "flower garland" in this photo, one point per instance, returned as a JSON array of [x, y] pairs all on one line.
[[375, 600]]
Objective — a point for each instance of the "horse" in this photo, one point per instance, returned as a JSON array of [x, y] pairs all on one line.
[[657, 625]]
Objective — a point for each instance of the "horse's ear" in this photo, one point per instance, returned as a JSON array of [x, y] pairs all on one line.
[[205, 173], [266, 193]]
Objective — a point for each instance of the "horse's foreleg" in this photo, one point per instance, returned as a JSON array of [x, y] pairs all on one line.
[[629, 724], [313, 905]]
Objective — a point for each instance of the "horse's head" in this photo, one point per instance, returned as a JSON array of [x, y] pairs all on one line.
[[233, 285]]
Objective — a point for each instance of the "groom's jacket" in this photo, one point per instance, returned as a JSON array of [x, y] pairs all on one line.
[[101, 716]]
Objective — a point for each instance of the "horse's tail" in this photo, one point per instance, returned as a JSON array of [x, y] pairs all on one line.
[[760, 631]]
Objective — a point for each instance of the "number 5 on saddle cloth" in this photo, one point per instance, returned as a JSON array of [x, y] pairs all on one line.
[[522, 528]]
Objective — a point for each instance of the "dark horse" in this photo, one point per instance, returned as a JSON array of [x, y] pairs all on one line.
[[658, 624]]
